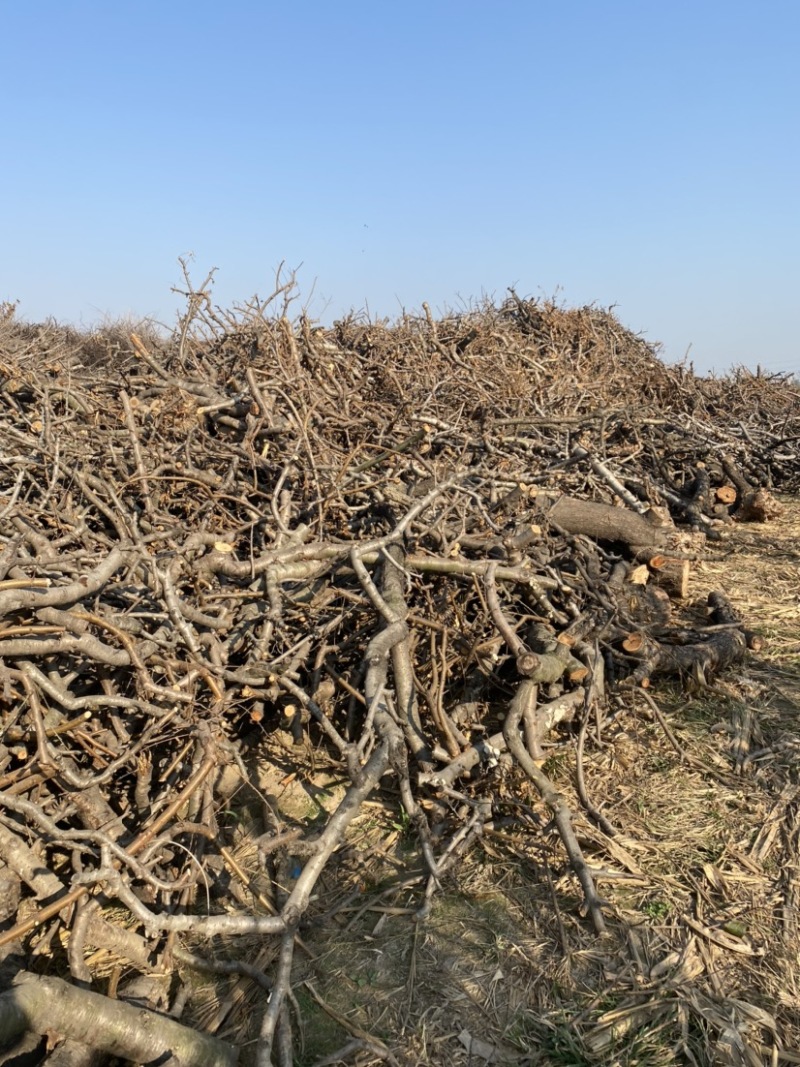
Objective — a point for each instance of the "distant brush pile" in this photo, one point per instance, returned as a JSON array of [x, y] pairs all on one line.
[[369, 539], [524, 364]]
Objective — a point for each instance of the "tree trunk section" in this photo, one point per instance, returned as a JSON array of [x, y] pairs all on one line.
[[671, 574], [606, 523]]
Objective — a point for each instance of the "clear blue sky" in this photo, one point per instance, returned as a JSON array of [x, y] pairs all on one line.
[[638, 153]]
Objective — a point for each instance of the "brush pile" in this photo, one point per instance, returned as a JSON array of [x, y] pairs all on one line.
[[420, 552]]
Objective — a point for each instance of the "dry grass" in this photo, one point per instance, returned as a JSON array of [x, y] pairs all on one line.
[[702, 882]]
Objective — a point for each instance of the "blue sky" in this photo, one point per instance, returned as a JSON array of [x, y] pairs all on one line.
[[638, 154]]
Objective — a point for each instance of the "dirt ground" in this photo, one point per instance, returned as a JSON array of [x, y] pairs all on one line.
[[701, 880]]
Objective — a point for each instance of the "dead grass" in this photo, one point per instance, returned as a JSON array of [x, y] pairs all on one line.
[[700, 964]]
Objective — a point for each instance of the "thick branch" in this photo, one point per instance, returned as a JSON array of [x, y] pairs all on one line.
[[47, 1005], [554, 801]]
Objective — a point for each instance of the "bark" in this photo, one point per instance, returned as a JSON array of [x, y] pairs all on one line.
[[26, 1049], [75, 1054], [754, 504], [546, 716]]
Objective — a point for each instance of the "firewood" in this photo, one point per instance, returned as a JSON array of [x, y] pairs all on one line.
[[606, 523], [671, 574]]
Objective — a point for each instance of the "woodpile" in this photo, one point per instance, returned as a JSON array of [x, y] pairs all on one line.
[[366, 539]]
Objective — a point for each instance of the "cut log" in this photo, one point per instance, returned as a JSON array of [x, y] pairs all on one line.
[[659, 516], [671, 574], [606, 523], [639, 575], [634, 642], [646, 607], [726, 494]]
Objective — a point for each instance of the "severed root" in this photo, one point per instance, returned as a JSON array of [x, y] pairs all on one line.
[[754, 504], [757, 505]]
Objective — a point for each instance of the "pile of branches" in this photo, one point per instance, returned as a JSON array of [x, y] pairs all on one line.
[[371, 537]]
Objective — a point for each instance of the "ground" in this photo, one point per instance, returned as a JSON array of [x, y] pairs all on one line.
[[701, 880]]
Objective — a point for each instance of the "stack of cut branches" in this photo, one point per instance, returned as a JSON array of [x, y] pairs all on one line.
[[371, 539]]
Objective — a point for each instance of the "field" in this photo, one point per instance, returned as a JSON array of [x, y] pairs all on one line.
[[419, 692]]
